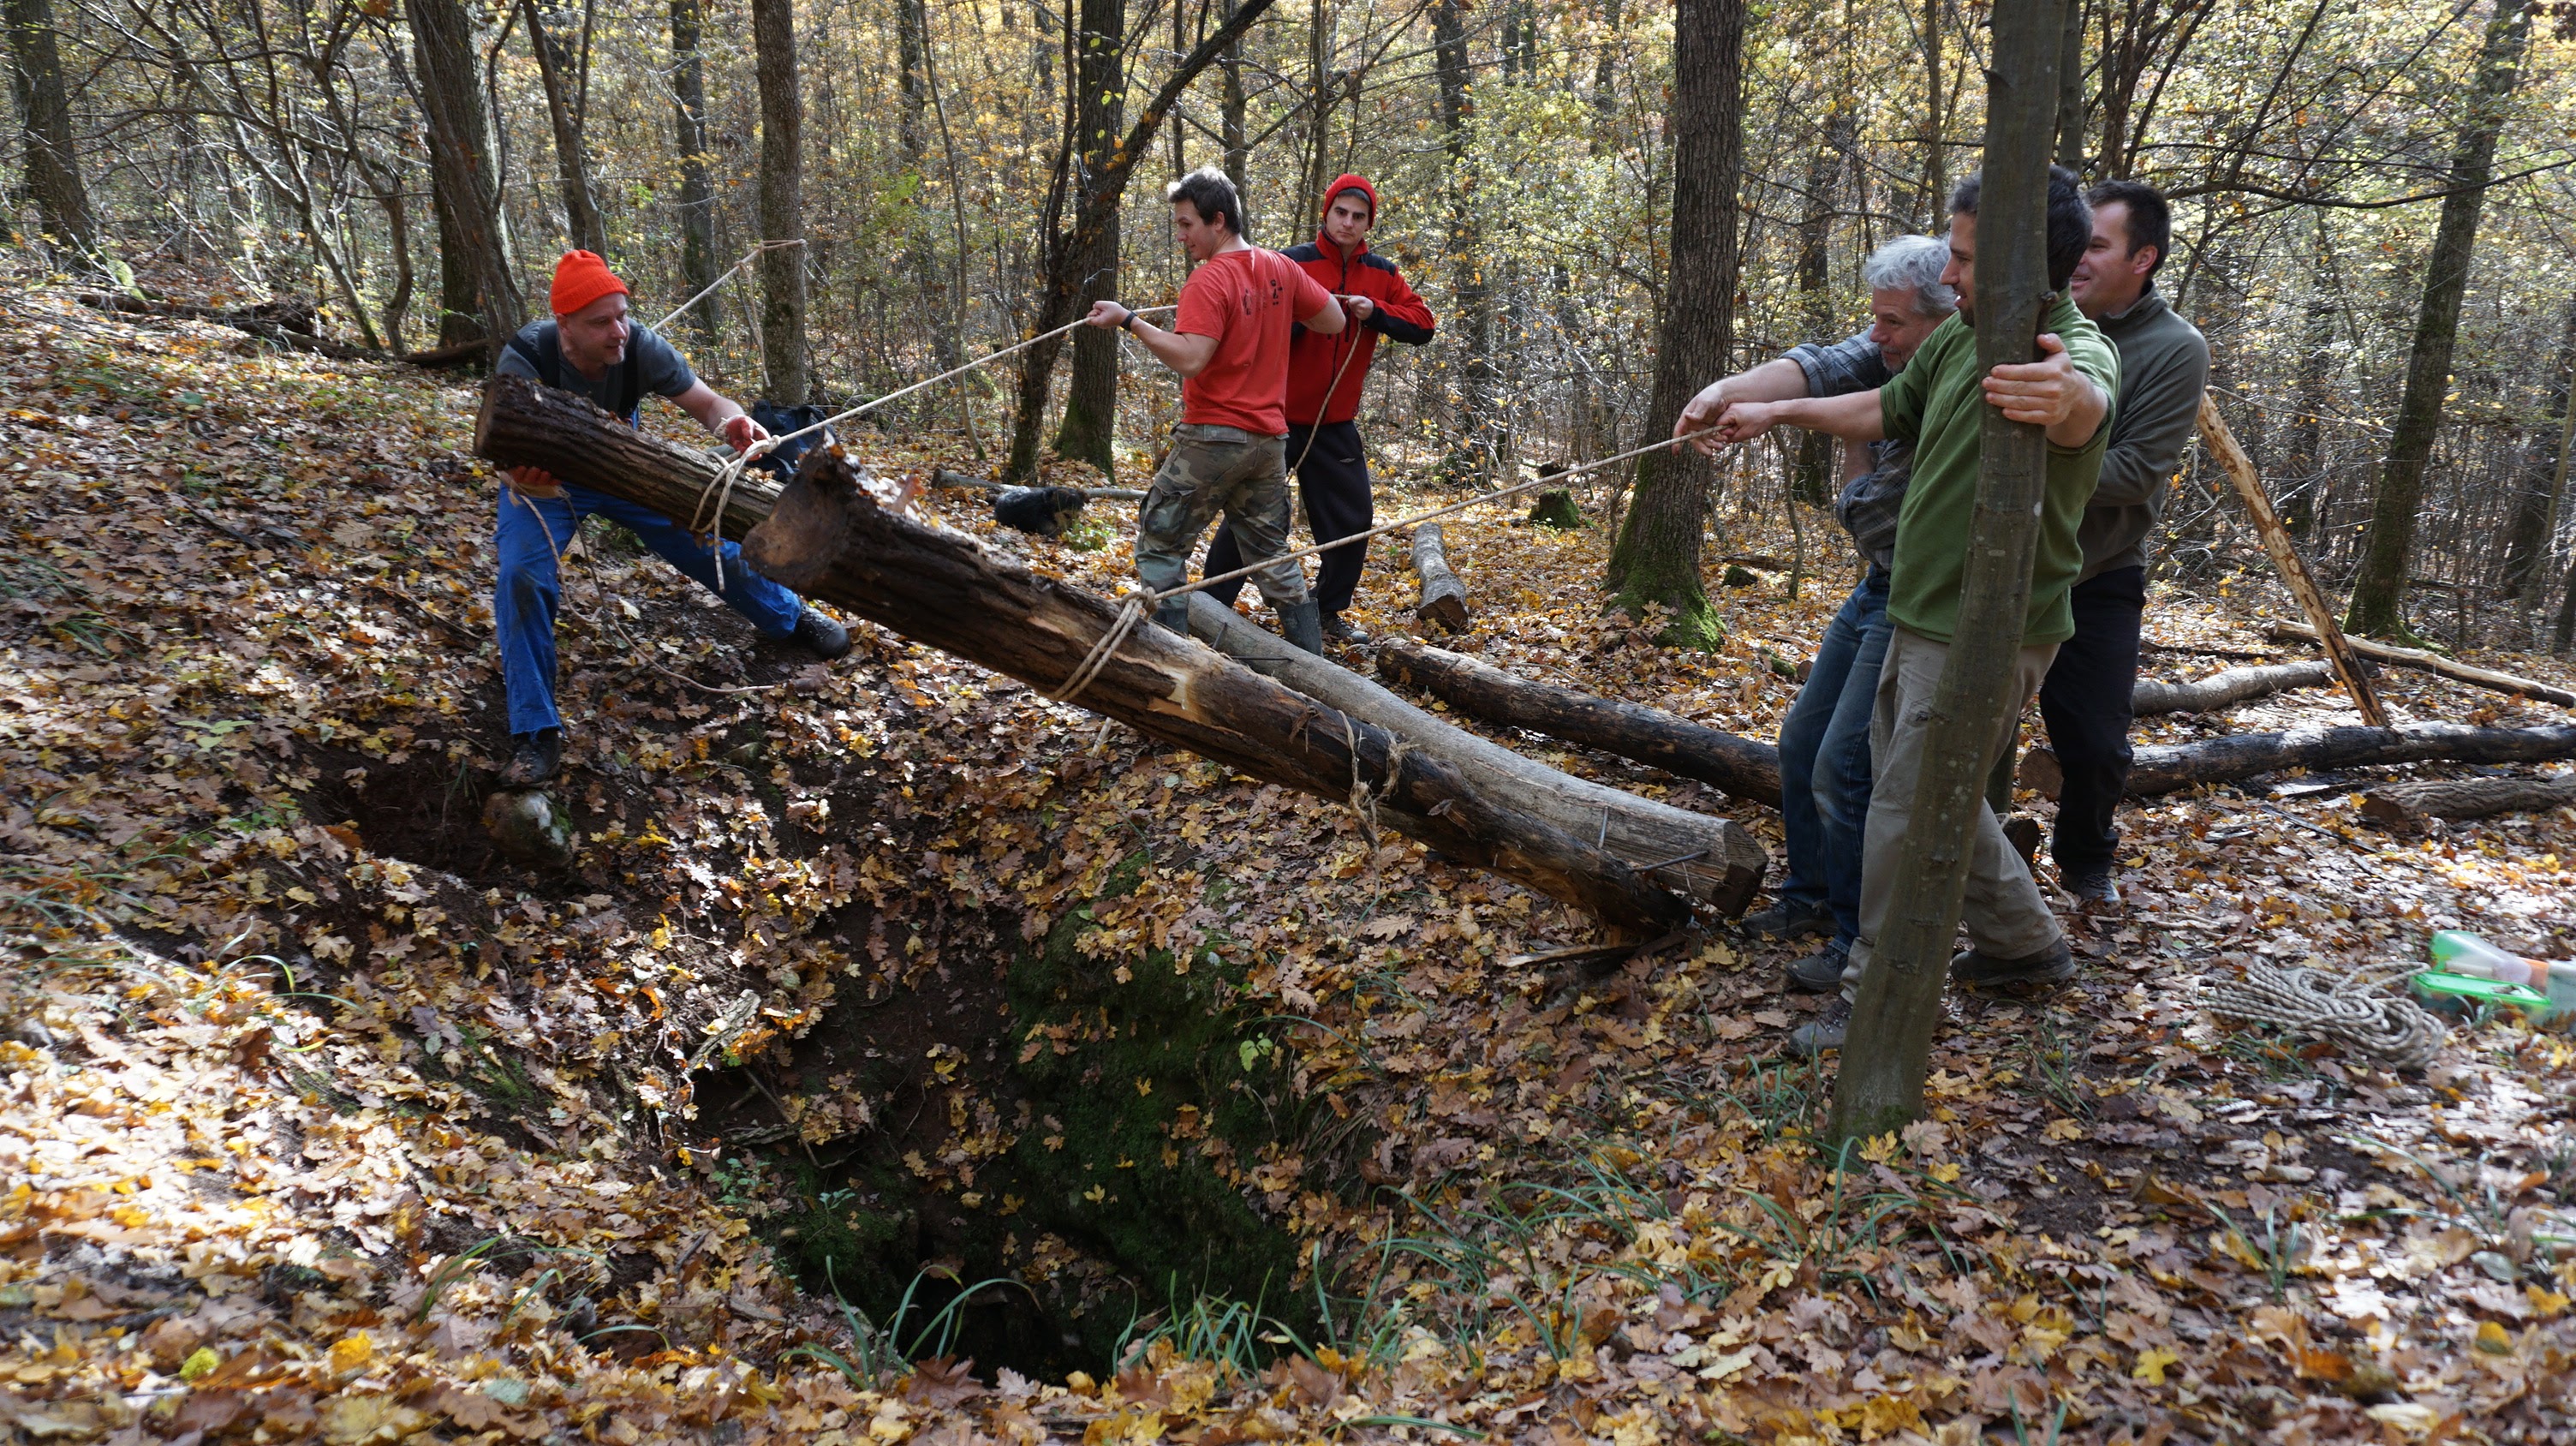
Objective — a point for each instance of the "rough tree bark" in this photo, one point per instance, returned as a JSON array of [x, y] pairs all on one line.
[[460, 159], [698, 269], [53, 174], [2378, 590], [1444, 597], [825, 537], [1059, 286], [1089, 431], [782, 200], [1879, 1084], [2413, 803], [1656, 561], [556, 69], [1744, 767], [2544, 473], [1476, 438], [1811, 475], [1935, 198]]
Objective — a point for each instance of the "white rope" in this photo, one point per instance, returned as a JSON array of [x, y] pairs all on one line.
[[747, 259], [2353, 1010]]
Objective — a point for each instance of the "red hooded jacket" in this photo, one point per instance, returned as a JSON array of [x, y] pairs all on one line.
[[1314, 359]]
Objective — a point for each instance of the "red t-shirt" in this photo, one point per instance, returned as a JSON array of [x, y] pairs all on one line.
[[1248, 300]]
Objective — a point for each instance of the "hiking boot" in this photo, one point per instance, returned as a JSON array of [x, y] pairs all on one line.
[[2093, 888], [2024, 833], [1822, 971], [1340, 631], [2052, 965], [1786, 920], [534, 757], [1302, 624], [1823, 1032], [821, 636]]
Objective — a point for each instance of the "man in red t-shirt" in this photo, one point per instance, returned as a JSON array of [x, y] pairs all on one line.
[[1229, 454], [1325, 374]]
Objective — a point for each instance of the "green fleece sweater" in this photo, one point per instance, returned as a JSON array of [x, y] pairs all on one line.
[[2164, 364], [1938, 404]]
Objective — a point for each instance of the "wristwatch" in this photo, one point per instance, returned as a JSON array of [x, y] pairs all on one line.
[[1128, 324]]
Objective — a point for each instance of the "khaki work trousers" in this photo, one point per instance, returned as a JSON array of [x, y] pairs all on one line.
[[1211, 471], [2004, 912]]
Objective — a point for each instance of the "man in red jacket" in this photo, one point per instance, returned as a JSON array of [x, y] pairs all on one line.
[[1324, 378]]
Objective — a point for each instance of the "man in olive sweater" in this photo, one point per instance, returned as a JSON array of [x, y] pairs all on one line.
[[2164, 363], [1938, 402]]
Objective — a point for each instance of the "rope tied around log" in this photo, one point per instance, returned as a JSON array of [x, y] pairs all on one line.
[[2353, 1010]]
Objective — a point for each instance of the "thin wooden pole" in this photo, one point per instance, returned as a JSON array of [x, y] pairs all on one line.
[[2239, 468]]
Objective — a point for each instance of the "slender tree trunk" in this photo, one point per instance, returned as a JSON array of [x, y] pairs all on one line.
[[2070, 89], [558, 73], [1656, 561], [1936, 158], [460, 161], [2305, 479], [1889, 1042], [1478, 438], [1089, 432], [1811, 473], [782, 201], [698, 269], [2378, 591], [1238, 144], [2544, 475], [45, 124]]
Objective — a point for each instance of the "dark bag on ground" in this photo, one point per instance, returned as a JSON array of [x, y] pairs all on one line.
[[779, 421]]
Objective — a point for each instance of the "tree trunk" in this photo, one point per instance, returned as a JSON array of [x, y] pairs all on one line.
[[2165, 768], [2436, 664], [1444, 597], [45, 125], [2544, 474], [451, 99], [698, 269], [1059, 286], [824, 536], [782, 201], [2413, 803], [2378, 591], [2070, 89], [1233, 105], [1811, 475], [2226, 689], [1743, 767], [556, 73], [1476, 436], [1703, 855], [2303, 486], [1656, 561], [1089, 431], [1889, 1044], [1935, 200]]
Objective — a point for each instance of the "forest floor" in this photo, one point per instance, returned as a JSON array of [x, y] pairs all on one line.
[[320, 1117]]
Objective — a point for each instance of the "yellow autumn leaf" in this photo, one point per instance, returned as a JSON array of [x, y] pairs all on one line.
[[2493, 1339], [2152, 1364], [352, 1352]]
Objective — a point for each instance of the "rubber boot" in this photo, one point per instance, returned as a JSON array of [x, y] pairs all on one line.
[[1302, 624]]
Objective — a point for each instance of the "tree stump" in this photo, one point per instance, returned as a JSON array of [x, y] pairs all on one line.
[[1444, 598]]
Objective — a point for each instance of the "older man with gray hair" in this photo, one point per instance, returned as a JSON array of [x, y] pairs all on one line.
[[1824, 742]]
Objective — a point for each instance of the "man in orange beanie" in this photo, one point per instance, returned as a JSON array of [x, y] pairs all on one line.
[[1324, 378], [591, 349]]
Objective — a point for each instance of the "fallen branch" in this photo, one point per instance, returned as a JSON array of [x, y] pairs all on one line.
[[1444, 597], [2163, 768], [459, 354], [824, 536], [959, 481], [1710, 857], [2220, 690], [2435, 663], [1743, 767], [2412, 803], [279, 324]]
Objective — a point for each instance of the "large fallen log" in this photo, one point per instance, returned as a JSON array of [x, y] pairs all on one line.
[[2163, 768], [1444, 597], [287, 325], [1743, 767], [1709, 856], [2225, 689], [2435, 663], [823, 535], [2410, 803]]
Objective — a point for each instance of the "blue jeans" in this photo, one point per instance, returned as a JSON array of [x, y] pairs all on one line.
[[528, 588], [1824, 760]]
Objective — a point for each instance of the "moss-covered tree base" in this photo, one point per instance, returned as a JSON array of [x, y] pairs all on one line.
[[1555, 508]]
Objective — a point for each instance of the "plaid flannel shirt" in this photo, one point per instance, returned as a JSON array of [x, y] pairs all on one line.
[[1868, 504]]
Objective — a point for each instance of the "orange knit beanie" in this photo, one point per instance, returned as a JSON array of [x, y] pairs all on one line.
[[580, 279]]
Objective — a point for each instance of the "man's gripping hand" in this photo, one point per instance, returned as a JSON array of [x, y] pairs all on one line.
[[1358, 308], [741, 432], [1741, 422], [1106, 314], [2043, 393], [533, 481]]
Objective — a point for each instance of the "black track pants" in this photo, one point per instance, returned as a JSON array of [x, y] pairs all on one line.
[[2085, 703], [1334, 481]]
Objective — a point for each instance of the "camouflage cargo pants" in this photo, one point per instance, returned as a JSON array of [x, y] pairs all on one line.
[[1216, 470]]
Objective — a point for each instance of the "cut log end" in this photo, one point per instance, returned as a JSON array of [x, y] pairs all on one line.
[[809, 528], [1444, 598], [2406, 804]]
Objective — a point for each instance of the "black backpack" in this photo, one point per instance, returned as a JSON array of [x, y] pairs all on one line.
[[778, 421]]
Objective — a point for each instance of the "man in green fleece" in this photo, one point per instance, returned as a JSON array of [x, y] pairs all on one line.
[[1934, 404], [2164, 364]]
